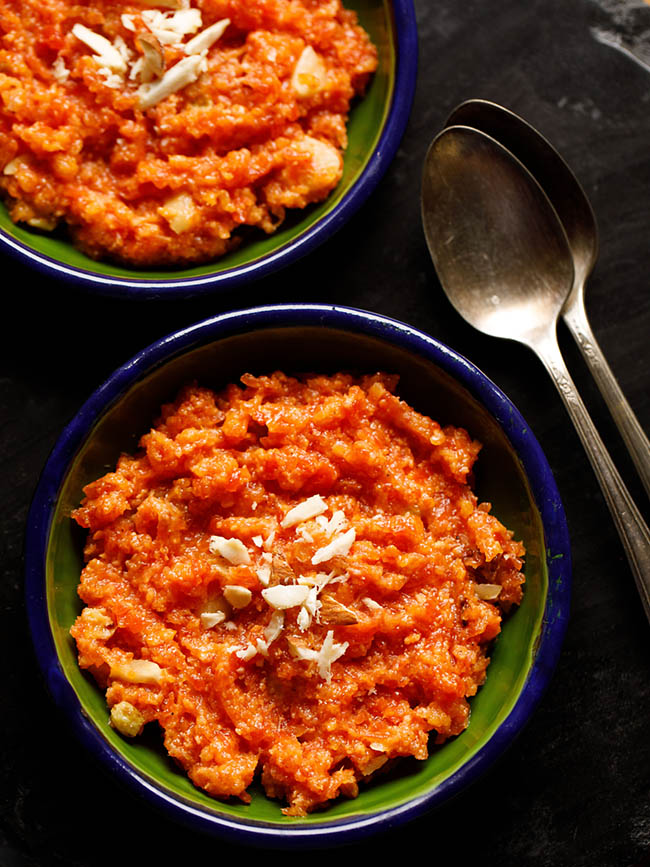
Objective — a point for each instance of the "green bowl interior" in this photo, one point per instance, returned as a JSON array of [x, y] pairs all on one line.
[[499, 479], [367, 120]]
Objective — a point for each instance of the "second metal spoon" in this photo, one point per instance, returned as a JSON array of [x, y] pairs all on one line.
[[577, 217], [504, 261]]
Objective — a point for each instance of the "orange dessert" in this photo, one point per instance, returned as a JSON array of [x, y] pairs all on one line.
[[294, 579], [154, 129]]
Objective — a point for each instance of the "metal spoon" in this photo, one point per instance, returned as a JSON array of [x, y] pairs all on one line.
[[575, 212], [504, 261]]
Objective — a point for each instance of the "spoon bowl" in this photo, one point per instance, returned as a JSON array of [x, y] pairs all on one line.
[[478, 200], [579, 222]]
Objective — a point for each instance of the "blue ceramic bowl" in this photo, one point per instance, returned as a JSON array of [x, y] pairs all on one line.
[[375, 128], [512, 473]]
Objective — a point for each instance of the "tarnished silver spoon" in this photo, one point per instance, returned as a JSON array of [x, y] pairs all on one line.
[[504, 261], [577, 217]]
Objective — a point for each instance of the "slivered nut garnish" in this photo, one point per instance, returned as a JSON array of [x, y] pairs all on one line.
[[232, 550], [281, 571], [137, 671], [206, 38], [211, 618], [488, 592], [285, 595], [335, 613], [305, 510], [182, 73], [106, 53], [153, 55], [340, 545], [238, 597]]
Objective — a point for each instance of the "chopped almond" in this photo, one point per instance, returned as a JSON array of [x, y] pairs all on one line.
[[172, 27], [106, 53], [153, 65], [274, 627], [334, 613], [96, 623], [329, 652], [488, 591], [309, 508], [13, 165], [247, 652], [216, 604], [238, 597], [263, 573], [137, 671], [232, 550], [180, 212], [209, 619], [372, 604], [309, 74], [181, 74], [285, 595], [340, 545], [206, 38], [281, 571], [60, 71]]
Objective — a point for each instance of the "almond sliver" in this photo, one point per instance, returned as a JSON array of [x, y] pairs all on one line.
[[488, 592], [206, 38], [309, 508], [285, 595], [182, 73], [339, 546], [107, 53], [154, 58]]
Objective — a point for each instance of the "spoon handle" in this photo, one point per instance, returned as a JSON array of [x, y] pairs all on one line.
[[637, 443], [631, 527]]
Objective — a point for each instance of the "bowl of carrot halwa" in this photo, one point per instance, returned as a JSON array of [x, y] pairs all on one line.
[[297, 574], [166, 148]]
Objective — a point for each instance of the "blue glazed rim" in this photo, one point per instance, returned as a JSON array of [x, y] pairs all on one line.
[[406, 36], [542, 485]]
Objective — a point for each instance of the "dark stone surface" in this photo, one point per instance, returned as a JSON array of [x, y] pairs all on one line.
[[573, 789]]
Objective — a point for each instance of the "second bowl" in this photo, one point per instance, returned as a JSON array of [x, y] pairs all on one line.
[[512, 473]]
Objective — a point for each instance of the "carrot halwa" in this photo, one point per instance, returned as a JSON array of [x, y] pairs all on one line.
[[294, 578], [155, 129]]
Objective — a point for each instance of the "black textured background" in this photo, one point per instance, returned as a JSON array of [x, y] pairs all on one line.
[[574, 788]]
